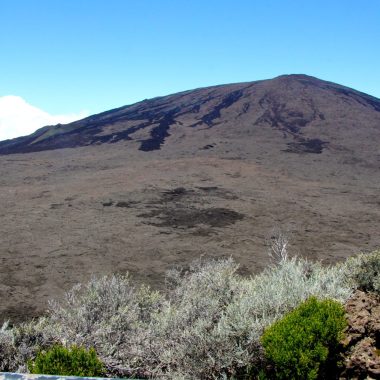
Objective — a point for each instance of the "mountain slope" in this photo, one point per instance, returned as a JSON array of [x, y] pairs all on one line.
[[211, 172], [302, 108]]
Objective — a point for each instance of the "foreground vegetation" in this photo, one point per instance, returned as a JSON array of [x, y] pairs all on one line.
[[300, 344], [208, 325]]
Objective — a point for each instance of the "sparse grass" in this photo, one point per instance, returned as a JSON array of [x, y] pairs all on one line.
[[207, 325]]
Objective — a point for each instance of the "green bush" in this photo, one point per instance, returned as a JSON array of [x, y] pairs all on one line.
[[303, 342], [75, 361]]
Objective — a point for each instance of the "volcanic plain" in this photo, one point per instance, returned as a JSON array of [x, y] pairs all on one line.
[[208, 172]]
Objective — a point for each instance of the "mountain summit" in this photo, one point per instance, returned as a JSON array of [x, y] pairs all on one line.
[[308, 114]]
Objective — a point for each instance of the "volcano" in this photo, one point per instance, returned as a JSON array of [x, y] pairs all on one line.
[[304, 111], [210, 171]]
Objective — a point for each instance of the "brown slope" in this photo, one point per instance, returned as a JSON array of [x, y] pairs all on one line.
[[207, 171], [303, 108]]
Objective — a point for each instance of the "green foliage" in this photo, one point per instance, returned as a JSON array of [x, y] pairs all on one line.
[[368, 273], [300, 344], [75, 361]]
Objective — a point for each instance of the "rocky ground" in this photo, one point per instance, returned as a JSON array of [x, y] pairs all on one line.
[[362, 355]]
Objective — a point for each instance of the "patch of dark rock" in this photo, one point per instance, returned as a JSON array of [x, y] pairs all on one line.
[[306, 146], [56, 206], [107, 203], [177, 191], [208, 188], [176, 194], [196, 108], [227, 101], [191, 217], [291, 123], [208, 146], [124, 204], [181, 194], [293, 128], [280, 117], [295, 114], [232, 158], [245, 107], [266, 118], [301, 122], [159, 133], [125, 135], [322, 116]]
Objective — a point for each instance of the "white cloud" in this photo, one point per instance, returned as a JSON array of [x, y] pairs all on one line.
[[19, 118]]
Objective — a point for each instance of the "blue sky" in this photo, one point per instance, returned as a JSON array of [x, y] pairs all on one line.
[[84, 56]]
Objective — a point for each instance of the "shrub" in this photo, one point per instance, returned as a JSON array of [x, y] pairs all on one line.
[[367, 273], [7, 349], [300, 344], [111, 314], [207, 324], [20, 343], [75, 361], [214, 318]]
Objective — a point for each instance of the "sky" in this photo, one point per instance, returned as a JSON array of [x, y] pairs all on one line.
[[61, 60]]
